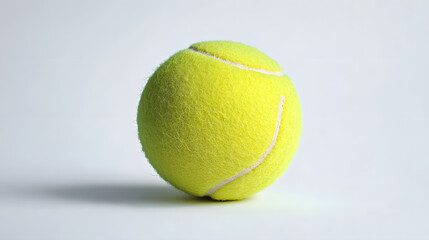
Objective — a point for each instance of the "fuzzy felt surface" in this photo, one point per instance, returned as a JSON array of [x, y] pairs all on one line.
[[201, 121]]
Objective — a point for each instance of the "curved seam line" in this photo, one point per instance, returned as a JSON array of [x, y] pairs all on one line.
[[249, 169], [238, 65]]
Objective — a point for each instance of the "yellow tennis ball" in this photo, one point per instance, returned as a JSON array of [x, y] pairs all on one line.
[[219, 119]]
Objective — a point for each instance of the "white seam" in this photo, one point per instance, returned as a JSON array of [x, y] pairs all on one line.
[[238, 65], [247, 170]]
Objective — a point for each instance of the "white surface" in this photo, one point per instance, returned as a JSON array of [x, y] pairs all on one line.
[[70, 161]]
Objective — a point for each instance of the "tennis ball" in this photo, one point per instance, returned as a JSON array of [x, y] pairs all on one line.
[[219, 119]]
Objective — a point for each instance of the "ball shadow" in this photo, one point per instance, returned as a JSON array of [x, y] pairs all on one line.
[[125, 194]]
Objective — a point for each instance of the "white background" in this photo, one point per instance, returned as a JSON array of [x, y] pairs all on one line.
[[71, 74]]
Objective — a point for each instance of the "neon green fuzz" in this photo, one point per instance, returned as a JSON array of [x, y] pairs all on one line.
[[219, 119]]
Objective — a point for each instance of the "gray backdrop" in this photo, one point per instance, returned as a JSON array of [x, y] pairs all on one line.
[[71, 74]]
